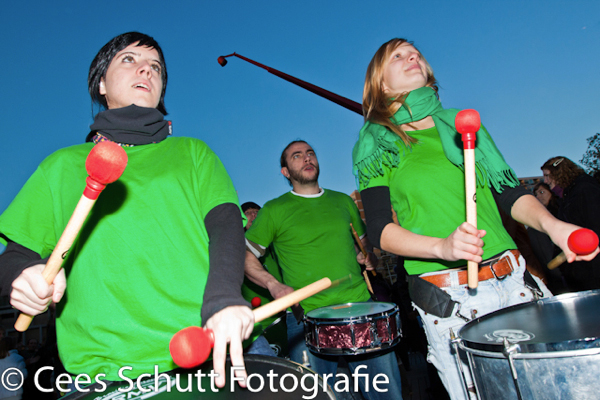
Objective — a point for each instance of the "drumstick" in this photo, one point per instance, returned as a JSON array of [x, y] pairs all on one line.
[[582, 241], [104, 164], [364, 253], [467, 124], [191, 346]]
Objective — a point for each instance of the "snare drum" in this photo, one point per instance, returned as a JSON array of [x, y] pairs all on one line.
[[290, 381], [352, 328], [546, 349]]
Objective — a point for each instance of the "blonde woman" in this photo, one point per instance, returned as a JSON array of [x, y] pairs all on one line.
[[409, 156]]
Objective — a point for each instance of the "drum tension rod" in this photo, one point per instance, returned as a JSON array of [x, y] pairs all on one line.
[[454, 340], [508, 352]]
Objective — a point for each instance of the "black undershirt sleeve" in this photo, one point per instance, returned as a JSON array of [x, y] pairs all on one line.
[[378, 212], [227, 252], [13, 261], [508, 197]]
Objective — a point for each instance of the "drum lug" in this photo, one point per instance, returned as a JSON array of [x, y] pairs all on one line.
[[508, 351]]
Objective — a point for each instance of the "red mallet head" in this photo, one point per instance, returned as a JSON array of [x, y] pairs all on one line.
[[467, 123], [105, 164], [583, 241], [256, 301], [191, 346]]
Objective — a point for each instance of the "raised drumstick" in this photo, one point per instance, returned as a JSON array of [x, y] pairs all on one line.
[[105, 164], [467, 124], [364, 253], [191, 346], [582, 241]]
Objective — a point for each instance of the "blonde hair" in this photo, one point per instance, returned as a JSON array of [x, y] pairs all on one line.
[[378, 107]]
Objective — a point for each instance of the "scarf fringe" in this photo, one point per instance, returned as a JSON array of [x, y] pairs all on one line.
[[386, 155]]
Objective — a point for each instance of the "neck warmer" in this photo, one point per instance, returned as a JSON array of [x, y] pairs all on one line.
[[131, 125], [377, 144]]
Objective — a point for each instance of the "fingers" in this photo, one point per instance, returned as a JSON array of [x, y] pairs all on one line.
[[464, 243], [31, 294], [60, 285], [219, 355], [237, 361], [231, 325]]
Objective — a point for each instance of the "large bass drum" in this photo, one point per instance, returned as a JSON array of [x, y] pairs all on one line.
[[281, 380], [545, 349]]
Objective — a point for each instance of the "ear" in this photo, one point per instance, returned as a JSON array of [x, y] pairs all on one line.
[[102, 89], [285, 172]]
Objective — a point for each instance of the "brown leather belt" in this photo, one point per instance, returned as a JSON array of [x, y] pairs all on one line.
[[497, 267]]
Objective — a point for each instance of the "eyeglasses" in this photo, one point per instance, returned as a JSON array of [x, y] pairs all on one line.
[[251, 212]]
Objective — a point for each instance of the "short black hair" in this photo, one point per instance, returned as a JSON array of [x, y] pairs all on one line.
[[105, 56], [248, 205]]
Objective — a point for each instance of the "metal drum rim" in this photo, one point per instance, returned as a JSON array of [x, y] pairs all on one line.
[[393, 309], [533, 347]]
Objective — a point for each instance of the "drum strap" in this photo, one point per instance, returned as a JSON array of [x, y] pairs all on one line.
[[430, 298], [532, 285]]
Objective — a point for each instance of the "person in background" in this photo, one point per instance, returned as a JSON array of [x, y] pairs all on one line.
[[309, 230], [579, 204], [269, 334], [12, 370]]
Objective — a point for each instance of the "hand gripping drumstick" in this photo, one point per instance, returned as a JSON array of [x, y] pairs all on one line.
[[364, 253], [191, 346], [105, 164], [467, 124], [582, 241]]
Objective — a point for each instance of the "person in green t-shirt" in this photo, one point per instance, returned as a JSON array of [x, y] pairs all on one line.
[[408, 156], [162, 249], [309, 231], [269, 334]]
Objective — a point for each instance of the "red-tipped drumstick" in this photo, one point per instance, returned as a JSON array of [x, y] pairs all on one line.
[[467, 124], [582, 241], [256, 302], [105, 164], [191, 346]]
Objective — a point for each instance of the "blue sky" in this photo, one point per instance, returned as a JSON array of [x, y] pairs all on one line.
[[529, 67]]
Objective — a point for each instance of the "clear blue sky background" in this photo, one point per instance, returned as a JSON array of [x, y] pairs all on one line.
[[529, 67]]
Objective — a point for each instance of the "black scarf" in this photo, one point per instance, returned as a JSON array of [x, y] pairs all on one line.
[[131, 125]]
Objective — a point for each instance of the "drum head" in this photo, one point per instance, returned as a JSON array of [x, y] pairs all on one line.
[[278, 376], [348, 311], [560, 323]]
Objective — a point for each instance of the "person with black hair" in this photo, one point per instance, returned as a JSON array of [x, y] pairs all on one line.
[[162, 249]]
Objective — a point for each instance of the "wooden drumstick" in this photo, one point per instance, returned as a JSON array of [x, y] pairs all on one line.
[[364, 253], [104, 164], [467, 123], [582, 242], [191, 346]]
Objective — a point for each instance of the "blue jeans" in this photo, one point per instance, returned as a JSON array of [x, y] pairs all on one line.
[[372, 365], [490, 295], [260, 346]]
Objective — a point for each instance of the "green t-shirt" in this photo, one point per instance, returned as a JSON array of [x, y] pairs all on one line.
[[428, 195], [251, 289], [312, 239], [136, 274]]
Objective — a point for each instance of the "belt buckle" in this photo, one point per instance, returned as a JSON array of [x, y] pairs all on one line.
[[499, 278]]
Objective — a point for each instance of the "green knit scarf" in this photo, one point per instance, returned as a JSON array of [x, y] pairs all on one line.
[[377, 146]]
